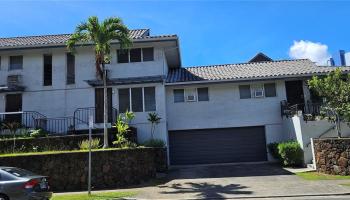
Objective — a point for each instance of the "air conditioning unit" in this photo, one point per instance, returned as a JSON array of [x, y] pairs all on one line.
[[14, 80], [190, 95], [258, 91]]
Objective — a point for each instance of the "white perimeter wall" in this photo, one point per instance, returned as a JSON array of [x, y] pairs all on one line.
[[302, 131]]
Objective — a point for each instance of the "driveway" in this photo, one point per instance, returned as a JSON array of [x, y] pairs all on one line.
[[238, 181]]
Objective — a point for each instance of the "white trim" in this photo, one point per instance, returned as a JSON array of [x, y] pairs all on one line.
[[143, 99]]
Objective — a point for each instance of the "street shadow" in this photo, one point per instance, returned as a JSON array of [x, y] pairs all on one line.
[[206, 190]]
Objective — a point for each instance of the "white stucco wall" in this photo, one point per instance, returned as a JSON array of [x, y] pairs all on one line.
[[224, 109], [303, 131]]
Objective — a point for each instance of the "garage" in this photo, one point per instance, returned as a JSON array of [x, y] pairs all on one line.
[[225, 145]]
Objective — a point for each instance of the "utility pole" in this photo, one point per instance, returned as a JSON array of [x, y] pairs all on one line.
[[91, 125]]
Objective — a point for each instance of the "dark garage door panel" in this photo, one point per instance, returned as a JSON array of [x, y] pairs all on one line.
[[245, 144]]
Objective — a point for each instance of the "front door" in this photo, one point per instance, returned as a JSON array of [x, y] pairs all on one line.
[[99, 104], [295, 93], [13, 104]]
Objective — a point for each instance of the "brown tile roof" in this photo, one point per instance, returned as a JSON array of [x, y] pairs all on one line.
[[249, 71], [60, 39]]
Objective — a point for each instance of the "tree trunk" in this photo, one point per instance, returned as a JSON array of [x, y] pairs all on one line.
[[105, 108]]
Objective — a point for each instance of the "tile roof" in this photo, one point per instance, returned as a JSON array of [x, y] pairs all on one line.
[[249, 71], [61, 39]]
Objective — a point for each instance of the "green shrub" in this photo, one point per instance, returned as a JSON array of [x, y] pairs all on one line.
[[273, 149], [38, 133], [291, 154], [95, 144], [154, 143]]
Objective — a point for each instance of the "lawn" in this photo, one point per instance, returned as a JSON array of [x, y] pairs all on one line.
[[94, 196], [314, 176]]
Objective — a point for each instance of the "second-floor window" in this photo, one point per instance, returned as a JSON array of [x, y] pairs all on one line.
[[70, 68], [47, 70], [135, 55], [191, 94], [257, 91], [141, 99], [16, 62]]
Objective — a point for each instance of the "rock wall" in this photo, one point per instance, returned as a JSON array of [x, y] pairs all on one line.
[[332, 155], [110, 168]]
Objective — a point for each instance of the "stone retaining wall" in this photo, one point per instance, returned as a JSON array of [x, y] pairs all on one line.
[[110, 168], [332, 155]]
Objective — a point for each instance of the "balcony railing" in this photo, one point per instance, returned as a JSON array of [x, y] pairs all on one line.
[[289, 110]]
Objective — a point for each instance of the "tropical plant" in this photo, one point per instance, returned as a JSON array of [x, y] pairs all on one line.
[[122, 126], [101, 36], [154, 119], [95, 144], [13, 127], [335, 91], [38, 133]]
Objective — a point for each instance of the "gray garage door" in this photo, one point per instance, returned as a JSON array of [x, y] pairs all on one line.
[[245, 144]]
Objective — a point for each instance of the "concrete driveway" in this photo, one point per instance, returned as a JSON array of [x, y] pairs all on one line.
[[238, 181]]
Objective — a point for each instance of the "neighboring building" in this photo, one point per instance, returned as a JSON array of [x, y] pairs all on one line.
[[210, 114]]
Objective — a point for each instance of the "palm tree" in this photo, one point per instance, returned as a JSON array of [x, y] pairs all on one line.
[[101, 35]]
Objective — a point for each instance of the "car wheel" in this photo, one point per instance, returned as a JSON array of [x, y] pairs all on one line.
[[3, 197]]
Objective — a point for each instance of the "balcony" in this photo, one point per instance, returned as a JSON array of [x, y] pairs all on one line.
[[309, 108]]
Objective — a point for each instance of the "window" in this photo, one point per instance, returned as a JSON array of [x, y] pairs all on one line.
[[148, 54], [258, 90], [270, 89], [47, 70], [16, 62], [150, 98], [203, 94], [142, 99], [179, 95], [136, 99], [124, 100], [123, 56], [135, 55], [244, 92], [70, 68]]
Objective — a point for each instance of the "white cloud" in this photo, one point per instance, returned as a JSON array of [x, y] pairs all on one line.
[[314, 51]]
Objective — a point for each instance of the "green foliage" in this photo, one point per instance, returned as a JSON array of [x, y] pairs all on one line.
[[291, 154], [273, 149], [335, 90], [154, 143], [154, 118], [122, 126], [84, 145], [13, 127], [101, 35], [37, 133]]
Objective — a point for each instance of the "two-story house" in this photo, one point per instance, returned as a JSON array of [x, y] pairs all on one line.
[[210, 114]]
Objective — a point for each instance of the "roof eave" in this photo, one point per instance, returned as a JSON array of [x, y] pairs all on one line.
[[247, 79], [59, 45]]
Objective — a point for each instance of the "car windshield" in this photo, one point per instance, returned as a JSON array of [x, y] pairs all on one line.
[[18, 172]]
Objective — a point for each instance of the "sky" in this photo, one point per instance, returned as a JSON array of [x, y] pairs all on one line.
[[210, 32]]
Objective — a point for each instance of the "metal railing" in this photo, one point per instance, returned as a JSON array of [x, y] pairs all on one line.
[[56, 126], [81, 115], [308, 108]]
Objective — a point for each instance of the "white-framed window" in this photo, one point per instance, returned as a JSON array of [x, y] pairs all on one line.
[[138, 99], [191, 94], [257, 90], [135, 55]]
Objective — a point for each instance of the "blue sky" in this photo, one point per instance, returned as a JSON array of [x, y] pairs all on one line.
[[211, 32]]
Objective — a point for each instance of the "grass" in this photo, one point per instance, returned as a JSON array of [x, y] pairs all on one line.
[[314, 176], [54, 152], [94, 196]]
